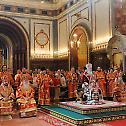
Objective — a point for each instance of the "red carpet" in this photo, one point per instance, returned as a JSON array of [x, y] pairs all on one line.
[[113, 123], [42, 119], [117, 123]]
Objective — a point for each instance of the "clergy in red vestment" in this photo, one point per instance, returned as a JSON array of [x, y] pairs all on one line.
[[6, 73], [119, 92], [111, 82], [6, 96], [100, 76], [25, 98], [44, 81], [72, 83]]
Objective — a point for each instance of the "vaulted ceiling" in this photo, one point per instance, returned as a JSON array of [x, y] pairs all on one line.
[[42, 4]]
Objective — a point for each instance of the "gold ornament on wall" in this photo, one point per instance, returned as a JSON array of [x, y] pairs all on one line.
[[42, 39]]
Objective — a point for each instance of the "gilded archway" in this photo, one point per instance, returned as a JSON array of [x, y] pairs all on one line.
[[80, 53]]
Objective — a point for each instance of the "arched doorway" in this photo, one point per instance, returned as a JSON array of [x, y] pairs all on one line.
[[14, 44], [79, 48]]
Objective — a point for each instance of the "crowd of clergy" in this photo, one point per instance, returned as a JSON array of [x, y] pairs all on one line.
[[29, 89]]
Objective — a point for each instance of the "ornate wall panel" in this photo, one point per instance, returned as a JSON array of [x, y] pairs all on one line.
[[102, 21], [63, 35], [41, 39]]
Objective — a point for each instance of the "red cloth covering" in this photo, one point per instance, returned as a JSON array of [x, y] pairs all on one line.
[[117, 123]]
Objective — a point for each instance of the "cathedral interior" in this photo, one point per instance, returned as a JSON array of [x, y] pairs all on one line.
[[61, 35], [74, 33]]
